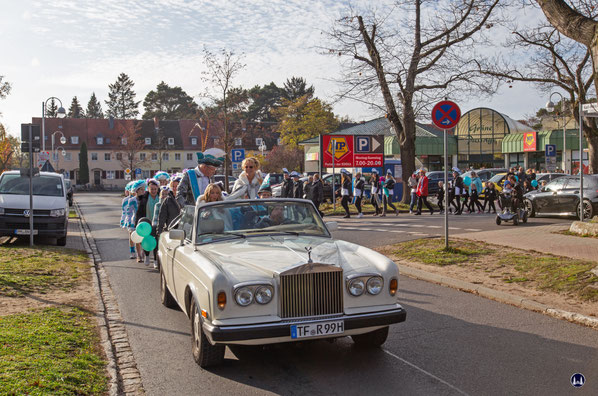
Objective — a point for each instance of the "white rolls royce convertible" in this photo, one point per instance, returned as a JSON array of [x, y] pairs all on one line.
[[257, 272]]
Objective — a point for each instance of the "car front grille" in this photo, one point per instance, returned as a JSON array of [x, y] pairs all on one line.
[[311, 290], [20, 212]]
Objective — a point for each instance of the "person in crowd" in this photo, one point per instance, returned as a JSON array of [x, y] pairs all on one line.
[[265, 190], [195, 181], [169, 209], [137, 191], [412, 184], [212, 193], [521, 176], [128, 213], [346, 191], [308, 188], [286, 190], [527, 186], [162, 177], [387, 193], [317, 192], [375, 182], [164, 190], [124, 205], [276, 217], [297, 191], [475, 188], [465, 200], [517, 199], [440, 196], [249, 181], [510, 172], [490, 196], [147, 203], [543, 183], [358, 193], [174, 183], [422, 193], [459, 189]]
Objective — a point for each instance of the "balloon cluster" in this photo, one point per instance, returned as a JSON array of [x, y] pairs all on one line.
[[142, 235], [467, 180]]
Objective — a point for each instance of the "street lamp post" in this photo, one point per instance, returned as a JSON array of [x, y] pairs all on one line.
[[61, 113], [62, 141], [63, 154], [550, 109], [262, 147]]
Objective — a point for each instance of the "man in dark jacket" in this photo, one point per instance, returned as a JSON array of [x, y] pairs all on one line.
[[286, 190], [317, 192], [459, 189], [297, 186], [168, 212], [308, 188]]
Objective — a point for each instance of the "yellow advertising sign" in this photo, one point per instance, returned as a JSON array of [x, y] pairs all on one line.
[[341, 147]]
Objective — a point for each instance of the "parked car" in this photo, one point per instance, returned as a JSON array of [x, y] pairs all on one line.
[[50, 210], [433, 178], [560, 197], [262, 272], [326, 184], [231, 181], [485, 174], [70, 189], [548, 177]]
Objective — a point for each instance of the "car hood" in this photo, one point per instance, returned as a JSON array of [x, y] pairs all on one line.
[[39, 202], [257, 258]]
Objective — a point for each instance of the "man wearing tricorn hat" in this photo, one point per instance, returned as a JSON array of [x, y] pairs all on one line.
[[196, 180]]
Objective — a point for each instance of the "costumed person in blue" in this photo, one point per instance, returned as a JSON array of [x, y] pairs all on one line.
[[162, 177], [127, 215], [265, 190], [137, 190], [146, 209], [196, 180]]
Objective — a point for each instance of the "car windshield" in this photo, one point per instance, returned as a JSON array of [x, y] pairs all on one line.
[[43, 185], [228, 220], [497, 178]]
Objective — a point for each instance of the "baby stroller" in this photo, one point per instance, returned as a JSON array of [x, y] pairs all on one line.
[[512, 210]]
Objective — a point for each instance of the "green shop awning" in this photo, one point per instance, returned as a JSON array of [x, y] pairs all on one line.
[[423, 145], [513, 143]]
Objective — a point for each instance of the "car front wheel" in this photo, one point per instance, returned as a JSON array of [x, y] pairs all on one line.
[[529, 208], [204, 353], [372, 339]]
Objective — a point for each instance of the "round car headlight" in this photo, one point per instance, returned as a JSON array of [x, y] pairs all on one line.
[[375, 285], [356, 287], [263, 295], [244, 296]]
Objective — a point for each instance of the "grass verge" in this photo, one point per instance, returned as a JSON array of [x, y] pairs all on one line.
[[50, 352], [73, 214], [25, 270], [567, 232], [541, 271]]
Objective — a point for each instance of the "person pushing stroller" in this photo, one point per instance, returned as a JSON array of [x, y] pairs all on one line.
[[511, 201]]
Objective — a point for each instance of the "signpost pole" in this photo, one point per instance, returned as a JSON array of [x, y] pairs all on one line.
[[446, 218], [580, 163], [30, 187], [333, 142]]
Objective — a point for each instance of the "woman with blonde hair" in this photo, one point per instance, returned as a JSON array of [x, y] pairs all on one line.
[[249, 181], [213, 193]]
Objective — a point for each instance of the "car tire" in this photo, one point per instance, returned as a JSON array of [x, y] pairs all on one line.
[[587, 208], [166, 298], [61, 241], [529, 208], [204, 353], [372, 339], [498, 220]]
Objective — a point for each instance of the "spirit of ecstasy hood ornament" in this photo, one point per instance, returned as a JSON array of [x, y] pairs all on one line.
[[308, 250]]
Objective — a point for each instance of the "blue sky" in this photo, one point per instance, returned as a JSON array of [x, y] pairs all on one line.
[[67, 48]]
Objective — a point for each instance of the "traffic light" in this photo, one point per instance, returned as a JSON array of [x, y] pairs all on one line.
[[35, 138]]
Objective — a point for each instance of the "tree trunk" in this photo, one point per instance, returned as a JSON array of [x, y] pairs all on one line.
[[593, 154], [407, 145]]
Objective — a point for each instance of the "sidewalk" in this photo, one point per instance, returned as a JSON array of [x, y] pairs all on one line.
[[540, 238]]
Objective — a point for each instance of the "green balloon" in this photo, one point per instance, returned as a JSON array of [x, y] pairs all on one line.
[[144, 229], [149, 243]]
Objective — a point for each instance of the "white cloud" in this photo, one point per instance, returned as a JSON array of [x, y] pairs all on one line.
[[35, 62]]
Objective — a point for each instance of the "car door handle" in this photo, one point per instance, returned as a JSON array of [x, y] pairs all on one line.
[[575, 192]]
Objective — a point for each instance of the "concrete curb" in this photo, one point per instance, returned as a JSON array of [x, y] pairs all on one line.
[[125, 378], [496, 295]]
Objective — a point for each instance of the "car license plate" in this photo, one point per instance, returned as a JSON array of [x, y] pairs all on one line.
[[317, 329], [25, 232]]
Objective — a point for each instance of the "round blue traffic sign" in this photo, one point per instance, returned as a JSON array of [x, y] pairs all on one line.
[[446, 114]]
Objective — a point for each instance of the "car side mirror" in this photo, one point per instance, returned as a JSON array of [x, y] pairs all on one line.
[[332, 225], [177, 235]]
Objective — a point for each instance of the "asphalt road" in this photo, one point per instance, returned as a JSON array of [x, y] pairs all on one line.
[[451, 343]]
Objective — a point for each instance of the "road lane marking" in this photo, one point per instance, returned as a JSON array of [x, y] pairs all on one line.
[[472, 229], [424, 371]]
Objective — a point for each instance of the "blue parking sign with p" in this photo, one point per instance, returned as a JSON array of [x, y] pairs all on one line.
[[237, 155], [362, 144], [550, 150]]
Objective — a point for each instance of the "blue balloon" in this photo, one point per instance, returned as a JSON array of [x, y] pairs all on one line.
[[467, 180], [534, 183], [143, 229], [149, 243], [516, 178]]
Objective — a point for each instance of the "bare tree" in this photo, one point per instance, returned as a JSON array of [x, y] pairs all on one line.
[[579, 22], [222, 69], [417, 54], [132, 145]]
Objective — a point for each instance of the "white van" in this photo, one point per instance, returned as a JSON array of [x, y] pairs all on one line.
[[50, 207]]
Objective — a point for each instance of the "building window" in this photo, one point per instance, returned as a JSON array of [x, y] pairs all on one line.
[[141, 156], [154, 157], [148, 141], [110, 175], [145, 174], [170, 141], [189, 156], [238, 141], [74, 139], [107, 140], [100, 140], [259, 141], [120, 174], [119, 156], [68, 157], [106, 156], [279, 141], [177, 156], [123, 141], [94, 156], [194, 141], [165, 156]]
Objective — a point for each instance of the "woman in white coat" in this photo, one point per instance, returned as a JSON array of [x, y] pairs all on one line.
[[249, 181]]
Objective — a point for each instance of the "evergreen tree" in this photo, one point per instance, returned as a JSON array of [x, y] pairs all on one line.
[[297, 87], [168, 103], [75, 111], [94, 108], [121, 103], [83, 165], [263, 101], [51, 109]]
